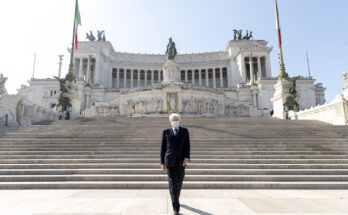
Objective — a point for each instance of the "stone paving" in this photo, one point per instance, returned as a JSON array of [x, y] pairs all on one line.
[[157, 202]]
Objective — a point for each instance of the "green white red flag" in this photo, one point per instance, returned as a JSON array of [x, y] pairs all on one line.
[[77, 22], [277, 25]]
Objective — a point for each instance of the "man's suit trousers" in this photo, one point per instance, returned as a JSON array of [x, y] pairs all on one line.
[[175, 179]]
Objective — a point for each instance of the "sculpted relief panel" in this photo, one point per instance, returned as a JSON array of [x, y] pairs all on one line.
[[108, 110], [236, 110], [144, 106], [201, 106]]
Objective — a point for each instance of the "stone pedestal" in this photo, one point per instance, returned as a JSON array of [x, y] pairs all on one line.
[[254, 91], [171, 72], [76, 108], [75, 100], [280, 98]]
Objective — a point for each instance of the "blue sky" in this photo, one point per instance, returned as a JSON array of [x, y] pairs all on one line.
[[45, 27]]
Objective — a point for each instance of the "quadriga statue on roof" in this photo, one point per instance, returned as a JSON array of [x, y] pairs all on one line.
[[171, 50]]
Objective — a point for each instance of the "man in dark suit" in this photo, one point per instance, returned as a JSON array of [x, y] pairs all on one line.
[[175, 156]]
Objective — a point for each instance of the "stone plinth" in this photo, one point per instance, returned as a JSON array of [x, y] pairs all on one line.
[[171, 72], [280, 98], [75, 100]]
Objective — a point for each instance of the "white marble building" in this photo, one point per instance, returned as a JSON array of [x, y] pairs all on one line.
[[234, 82]]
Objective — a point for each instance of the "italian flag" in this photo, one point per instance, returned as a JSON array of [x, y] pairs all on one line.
[[77, 22], [277, 25]]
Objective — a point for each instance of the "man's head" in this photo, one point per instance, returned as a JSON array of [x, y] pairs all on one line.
[[174, 119]]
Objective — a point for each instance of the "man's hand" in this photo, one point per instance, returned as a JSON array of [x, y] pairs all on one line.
[[185, 162], [163, 166]]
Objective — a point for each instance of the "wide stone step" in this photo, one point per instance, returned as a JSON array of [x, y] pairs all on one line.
[[164, 185], [158, 142], [194, 161], [241, 141], [164, 177], [147, 171], [156, 145], [156, 156], [193, 146], [156, 153], [192, 165]]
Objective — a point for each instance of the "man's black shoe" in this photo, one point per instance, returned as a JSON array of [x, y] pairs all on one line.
[[176, 212]]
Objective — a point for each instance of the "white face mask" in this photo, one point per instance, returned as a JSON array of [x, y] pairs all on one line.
[[175, 124]]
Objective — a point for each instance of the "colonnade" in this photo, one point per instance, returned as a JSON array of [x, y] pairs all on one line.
[[254, 68], [84, 69], [129, 78]]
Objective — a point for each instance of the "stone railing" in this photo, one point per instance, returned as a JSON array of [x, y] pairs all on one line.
[[335, 113]]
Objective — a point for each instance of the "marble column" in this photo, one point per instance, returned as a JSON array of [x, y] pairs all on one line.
[[259, 72], [214, 79], [206, 78], [193, 77], [96, 69], [159, 76], [132, 79], [124, 78], [221, 78], [80, 68], [185, 75], [118, 78], [138, 84], [243, 72], [251, 71], [200, 77], [88, 70], [145, 77], [152, 77], [268, 66]]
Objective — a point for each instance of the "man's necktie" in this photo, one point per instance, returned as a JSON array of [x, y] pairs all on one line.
[[175, 132]]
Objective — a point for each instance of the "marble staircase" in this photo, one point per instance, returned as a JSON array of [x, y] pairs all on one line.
[[122, 153]]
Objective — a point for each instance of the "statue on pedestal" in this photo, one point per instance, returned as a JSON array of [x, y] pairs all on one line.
[[291, 102], [344, 76], [3, 80], [171, 50]]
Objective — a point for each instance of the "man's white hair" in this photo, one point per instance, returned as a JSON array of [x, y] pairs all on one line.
[[171, 116]]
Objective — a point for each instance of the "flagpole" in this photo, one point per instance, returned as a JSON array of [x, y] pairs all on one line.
[[309, 69], [34, 65], [71, 65], [283, 73]]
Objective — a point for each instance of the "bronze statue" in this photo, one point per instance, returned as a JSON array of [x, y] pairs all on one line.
[[246, 37], [235, 34], [240, 34], [251, 35], [90, 36], [101, 35], [171, 50], [292, 89]]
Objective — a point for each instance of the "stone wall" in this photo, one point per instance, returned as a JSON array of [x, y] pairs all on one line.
[[22, 112], [335, 113]]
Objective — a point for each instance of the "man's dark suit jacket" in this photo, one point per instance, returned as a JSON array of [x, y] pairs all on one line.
[[173, 147]]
